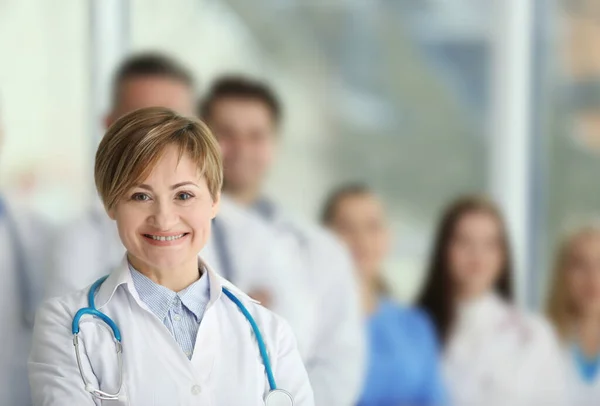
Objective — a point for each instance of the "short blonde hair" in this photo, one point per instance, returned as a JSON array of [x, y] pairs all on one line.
[[558, 306], [135, 142]]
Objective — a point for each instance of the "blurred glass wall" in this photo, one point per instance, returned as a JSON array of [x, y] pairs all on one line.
[[43, 104], [395, 93]]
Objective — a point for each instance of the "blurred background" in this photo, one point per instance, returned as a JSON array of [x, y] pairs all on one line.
[[421, 99]]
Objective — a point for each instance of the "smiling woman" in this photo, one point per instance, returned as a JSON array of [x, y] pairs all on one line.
[[159, 176]]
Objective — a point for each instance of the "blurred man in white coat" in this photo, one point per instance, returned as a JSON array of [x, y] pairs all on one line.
[[244, 115], [259, 264], [23, 241]]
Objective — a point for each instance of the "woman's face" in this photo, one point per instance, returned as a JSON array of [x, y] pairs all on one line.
[[165, 221], [476, 254], [359, 221], [583, 274]]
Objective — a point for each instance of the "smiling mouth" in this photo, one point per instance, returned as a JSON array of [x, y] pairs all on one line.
[[165, 238]]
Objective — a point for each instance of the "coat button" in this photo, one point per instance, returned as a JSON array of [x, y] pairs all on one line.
[[196, 390]]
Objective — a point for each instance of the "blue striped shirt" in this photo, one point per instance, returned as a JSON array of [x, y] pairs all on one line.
[[180, 312]]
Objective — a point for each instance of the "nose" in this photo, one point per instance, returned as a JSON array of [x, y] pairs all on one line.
[[164, 216]]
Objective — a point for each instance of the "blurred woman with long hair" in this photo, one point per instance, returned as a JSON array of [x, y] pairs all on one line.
[[494, 353], [403, 366], [574, 308]]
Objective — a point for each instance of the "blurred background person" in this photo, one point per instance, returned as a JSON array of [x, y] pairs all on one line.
[[260, 263], [145, 80], [402, 358], [494, 353], [574, 308], [245, 116], [24, 240]]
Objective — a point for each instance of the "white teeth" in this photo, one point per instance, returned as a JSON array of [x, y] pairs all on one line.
[[169, 238]]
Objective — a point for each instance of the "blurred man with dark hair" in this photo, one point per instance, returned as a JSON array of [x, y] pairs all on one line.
[[143, 80], [245, 114], [259, 265], [23, 254], [148, 80]]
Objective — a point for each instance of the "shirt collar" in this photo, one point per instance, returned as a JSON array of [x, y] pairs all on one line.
[[196, 296], [160, 299], [265, 208], [121, 275]]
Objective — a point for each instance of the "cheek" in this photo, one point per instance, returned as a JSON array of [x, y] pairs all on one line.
[[575, 283], [261, 153], [457, 259], [199, 218], [128, 221]]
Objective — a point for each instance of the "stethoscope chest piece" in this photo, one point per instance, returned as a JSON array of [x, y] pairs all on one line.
[[279, 397]]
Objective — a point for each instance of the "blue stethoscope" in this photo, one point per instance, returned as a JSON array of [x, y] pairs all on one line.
[[275, 397]]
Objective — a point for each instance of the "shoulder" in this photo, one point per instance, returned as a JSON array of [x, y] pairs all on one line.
[[540, 327], [59, 311], [532, 327], [315, 236], [411, 318], [240, 219]]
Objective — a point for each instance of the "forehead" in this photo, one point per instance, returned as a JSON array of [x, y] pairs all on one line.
[[477, 220], [173, 165], [152, 91], [242, 111], [360, 205], [588, 241]]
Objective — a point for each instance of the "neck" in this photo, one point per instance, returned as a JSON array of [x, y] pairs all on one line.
[[470, 296], [369, 296], [588, 334], [175, 279], [245, 196]]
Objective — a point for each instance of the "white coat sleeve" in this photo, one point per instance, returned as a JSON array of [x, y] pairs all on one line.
[[282, 278], [35, 235], [336, 366], [290, 373], [552, 384], [53, 373], [275, 271]]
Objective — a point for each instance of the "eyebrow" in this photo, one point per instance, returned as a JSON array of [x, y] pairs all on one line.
[[175, 186]]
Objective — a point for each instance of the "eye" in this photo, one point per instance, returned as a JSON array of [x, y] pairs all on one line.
[[140, 197], [184, 196]]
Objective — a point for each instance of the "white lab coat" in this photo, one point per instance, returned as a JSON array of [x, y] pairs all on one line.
[[225, 369], [90, 247], [335, 352], [16, 316], [580, 392], [499, 355]]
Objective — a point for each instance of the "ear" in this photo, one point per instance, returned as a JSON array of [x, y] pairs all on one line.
[[109, 119], [215, 206], [111, 213]]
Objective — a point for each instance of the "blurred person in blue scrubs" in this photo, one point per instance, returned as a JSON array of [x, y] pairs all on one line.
[[245, 116], [574, 308], [494, 353], [23, 253], [242, 246], [403, 360]]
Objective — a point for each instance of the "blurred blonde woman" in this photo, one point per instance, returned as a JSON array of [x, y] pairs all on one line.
[[574, 307]]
